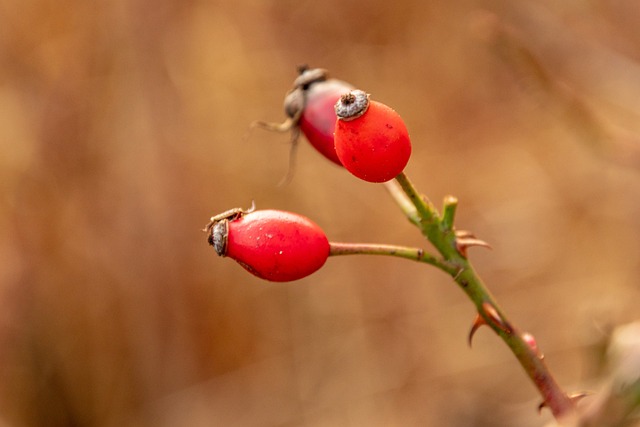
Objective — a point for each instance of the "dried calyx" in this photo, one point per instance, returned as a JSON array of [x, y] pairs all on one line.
[[218, 228], [295, 100], [219, 237], [352, 105]]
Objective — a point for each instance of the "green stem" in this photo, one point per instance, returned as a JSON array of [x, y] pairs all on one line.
[[440, 232], [414, 254], [395, 190], [450, 205], [425, 209]]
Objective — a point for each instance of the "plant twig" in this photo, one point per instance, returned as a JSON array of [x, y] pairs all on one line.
[[414, 254], [450, 205], [440, 232], [395, 191]]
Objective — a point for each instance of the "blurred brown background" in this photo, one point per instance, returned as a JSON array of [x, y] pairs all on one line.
[[122, 129]]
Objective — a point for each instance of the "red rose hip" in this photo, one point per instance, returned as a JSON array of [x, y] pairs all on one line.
[[309, 106], [273, 245], [371, 139]]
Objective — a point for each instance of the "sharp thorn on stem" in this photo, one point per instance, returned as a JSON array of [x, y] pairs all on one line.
[[492, 314], [466, 239], [574, 397], [480, 320], [477, 322]]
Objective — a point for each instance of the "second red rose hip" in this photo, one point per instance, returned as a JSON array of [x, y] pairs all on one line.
[[371, 139]]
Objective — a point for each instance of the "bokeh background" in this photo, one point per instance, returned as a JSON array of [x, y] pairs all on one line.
[[123, 127]]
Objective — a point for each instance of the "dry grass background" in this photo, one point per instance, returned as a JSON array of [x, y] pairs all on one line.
[[121, 132]]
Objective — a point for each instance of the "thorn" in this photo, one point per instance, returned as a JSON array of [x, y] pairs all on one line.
[[495, 318], [577, 397], [574, 397], [541, 406], [492, 314], [478, 321], [466, 239]]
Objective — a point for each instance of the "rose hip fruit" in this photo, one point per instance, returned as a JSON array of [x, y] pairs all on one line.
[[273, 245], [309, 106], [371, 139]]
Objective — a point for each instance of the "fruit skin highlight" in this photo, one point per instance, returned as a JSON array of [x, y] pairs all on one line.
[[274, 245], [371, 139]]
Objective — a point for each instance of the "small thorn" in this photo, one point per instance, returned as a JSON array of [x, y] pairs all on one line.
[[477, 322], [492, 315], [466, 239], [574, 397], [577, 397], [495, 318]]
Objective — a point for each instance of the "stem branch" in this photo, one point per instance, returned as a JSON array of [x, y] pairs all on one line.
[[440, 232], [414, 254]]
